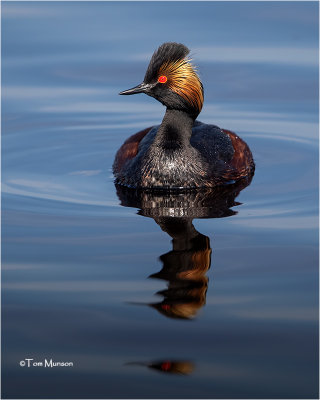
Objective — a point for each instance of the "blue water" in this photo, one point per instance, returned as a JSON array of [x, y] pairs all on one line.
[[234, 311]]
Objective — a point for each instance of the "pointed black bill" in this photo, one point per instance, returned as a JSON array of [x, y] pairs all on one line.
[[142, 88]]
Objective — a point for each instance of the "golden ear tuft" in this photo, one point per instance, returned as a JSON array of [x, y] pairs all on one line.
[[183, 80]]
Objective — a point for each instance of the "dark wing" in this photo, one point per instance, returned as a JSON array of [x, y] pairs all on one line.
[[228, 156], [212, 143]]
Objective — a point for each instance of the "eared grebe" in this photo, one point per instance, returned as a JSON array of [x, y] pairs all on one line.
[[181, 153]]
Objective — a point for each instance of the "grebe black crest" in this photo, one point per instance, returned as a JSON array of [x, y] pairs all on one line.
[[181, 152]]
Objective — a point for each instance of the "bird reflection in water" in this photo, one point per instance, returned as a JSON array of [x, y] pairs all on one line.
[[169, 367], [185, 266]]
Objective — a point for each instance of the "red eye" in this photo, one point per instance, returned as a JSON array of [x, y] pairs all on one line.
[[162, 79], [165, 366]]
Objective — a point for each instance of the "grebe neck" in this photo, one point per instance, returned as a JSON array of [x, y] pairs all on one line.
[[175, 130]]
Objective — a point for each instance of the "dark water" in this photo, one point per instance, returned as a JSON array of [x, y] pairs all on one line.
[[213, 295]]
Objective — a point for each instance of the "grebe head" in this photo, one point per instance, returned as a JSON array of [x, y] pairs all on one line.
[[172, 79]]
